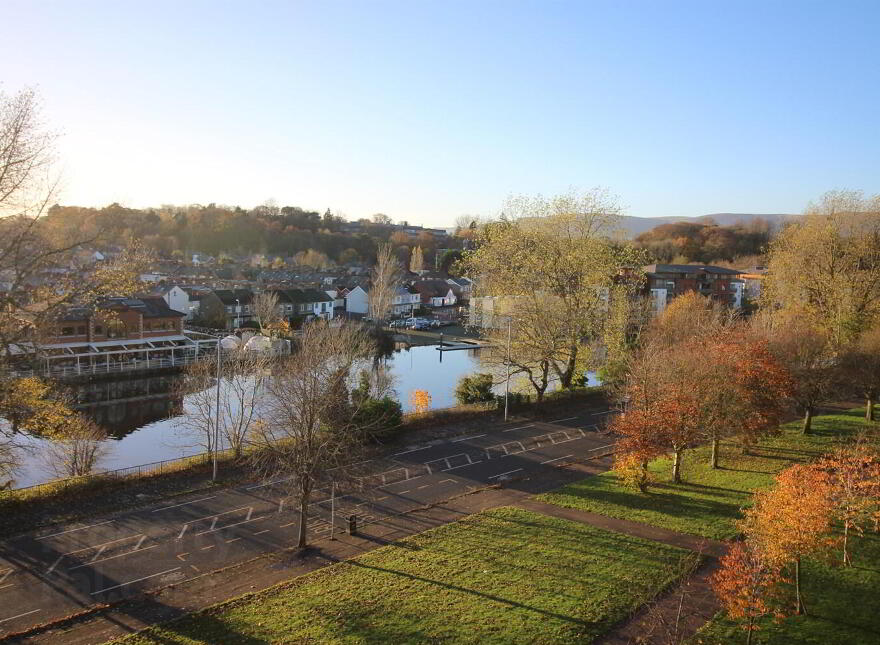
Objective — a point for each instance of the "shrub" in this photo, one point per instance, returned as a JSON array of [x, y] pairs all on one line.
[[474, 389], [381, 417]]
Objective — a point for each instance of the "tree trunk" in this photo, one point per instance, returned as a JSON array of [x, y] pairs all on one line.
[[750, 630], [808, 419], [676, 467], [643, 480], [714, 460], [567, 376], [869, 409], [797, 587], [846, 560], [303, 519]]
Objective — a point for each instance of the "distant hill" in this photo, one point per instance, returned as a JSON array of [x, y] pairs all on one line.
[[636, 225]]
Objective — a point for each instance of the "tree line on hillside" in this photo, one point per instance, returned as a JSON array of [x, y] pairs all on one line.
[[706, 242], [172, 231]]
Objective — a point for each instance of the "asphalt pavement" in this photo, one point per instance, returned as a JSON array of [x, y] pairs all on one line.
[[60, 571]]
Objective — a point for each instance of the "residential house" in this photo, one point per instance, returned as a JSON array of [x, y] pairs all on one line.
[[298, 305], [435, 293], [357, 301], [462, 287], [178, 299], [229, 308], [405, 301], [338, 296]]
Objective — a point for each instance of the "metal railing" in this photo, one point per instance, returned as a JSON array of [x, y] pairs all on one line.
[[110, 367], [159, 467]]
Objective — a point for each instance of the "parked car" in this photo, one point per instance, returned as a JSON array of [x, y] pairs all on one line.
[[398, 323]]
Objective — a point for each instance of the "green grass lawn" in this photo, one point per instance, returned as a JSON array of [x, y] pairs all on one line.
[[843, 606], [708, 502], [503, 576]]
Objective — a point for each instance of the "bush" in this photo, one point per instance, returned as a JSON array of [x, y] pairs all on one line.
[[381, 417], [474, 389]]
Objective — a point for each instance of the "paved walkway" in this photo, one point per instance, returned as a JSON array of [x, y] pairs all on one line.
[[696, 543]]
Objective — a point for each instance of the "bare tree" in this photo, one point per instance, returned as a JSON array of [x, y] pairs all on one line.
[[311, 425], [806, 352], [859, 369], [79, 451], [242, 375], [265, 307], [385, 281]]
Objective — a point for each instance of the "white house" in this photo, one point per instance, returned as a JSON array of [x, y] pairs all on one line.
[[178, 300], [338, 296], [305, 304], [406, 299], [357, 301]]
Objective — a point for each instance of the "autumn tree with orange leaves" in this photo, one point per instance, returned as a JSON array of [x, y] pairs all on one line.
[[716, 382], [792, 520], [661, 414], [854, 473], [747, 585], [420, 400]]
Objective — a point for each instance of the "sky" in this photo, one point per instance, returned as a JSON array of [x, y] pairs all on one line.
[[427, 111]]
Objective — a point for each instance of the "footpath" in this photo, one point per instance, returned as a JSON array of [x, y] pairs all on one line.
[[100, 624]]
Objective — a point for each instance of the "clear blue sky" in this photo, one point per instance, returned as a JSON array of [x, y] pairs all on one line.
[[429, 110]]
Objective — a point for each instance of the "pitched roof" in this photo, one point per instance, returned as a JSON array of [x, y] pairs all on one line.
[[689, 268], [229, 296]]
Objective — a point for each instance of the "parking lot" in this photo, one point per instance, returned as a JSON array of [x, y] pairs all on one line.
[[58, 571]]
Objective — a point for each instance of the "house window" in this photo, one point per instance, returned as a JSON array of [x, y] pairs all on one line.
[[99, 329], [67, 331], [81, 330]]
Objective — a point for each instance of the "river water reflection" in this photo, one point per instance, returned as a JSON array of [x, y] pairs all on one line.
[[141, 415]]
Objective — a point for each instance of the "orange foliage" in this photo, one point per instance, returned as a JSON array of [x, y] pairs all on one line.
[[420, 400], [792, 519], [746, 585], [854, 474]]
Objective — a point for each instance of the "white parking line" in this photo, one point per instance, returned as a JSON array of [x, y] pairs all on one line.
[[161, 573], [213, 518], [406, 452], [277, 481], [550, 461], [165, 508], [113, 557], [475, 436], [561, 420], [509, 472], [100, 547], [531, 425], [27, 613], [464, 465], [81, 528], [229, 526]]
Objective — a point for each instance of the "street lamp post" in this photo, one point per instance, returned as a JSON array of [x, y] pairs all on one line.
[[216, 417], [507, 381], [237, 312]]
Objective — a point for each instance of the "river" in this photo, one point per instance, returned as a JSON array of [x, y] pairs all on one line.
[[141, 415]]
